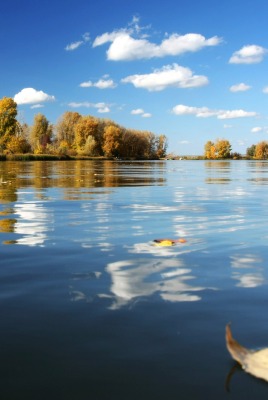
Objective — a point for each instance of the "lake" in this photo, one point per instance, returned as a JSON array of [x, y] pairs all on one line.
[[90, 306]]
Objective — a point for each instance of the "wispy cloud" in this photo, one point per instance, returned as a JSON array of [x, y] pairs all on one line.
[[240, 87], [74, 45], [205, 112], [101, 107], [32, 96], [257, 129], [251, 54], [100, 84], [129, 44], [168, 76], [265, 90]]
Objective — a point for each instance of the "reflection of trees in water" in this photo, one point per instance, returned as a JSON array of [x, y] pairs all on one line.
[[7, 225], [76, 176]]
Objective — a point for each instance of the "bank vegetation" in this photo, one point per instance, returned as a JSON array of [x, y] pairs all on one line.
[[74, 135]]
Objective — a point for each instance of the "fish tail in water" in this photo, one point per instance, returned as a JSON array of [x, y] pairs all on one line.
[[237, 351]]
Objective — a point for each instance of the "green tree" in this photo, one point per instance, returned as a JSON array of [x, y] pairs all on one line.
[[8, 122], [251, 150], [40, 134]]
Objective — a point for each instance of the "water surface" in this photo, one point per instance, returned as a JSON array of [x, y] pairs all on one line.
[[92, 309]]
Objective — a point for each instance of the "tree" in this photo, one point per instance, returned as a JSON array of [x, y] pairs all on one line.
[[223, 148], [161, 146], [8, 122], [251, 150], [220, 149], [111, 137], [18, 144], [210, 150], [261, 151], [85, 127], [65, 127], [90, 146], [40, 134]]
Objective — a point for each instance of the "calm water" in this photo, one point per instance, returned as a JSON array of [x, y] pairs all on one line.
[[91, 309]]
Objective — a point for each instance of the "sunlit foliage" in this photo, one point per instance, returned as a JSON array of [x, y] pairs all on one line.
[[8, 122], [221, 149], [40, 134], [261, 150]]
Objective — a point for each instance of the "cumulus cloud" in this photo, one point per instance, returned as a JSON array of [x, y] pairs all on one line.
[[240, 87], [205, 112], [32, 96], [100, 84], [168, 76], [140, 111], [101, 107], [125, 47], [137, 111], [74, 45], [251, 54]]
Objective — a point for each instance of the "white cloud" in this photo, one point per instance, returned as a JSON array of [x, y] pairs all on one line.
[[74, 45], [256, 129], [31, 96], [204, 112], [240, 87], [37, 106], [101, 107], [100, 84], [168, 76], [125, 47], [140, 111], [137, 111], [265, 90], [229, 114], [250, 54]]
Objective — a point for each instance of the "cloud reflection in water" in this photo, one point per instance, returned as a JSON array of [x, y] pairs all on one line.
[[242, 264], [141, 278]]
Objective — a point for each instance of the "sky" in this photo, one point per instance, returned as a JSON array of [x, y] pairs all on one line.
[[193, 71]]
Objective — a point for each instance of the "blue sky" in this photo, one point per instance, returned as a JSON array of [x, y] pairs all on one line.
[[194, 71]]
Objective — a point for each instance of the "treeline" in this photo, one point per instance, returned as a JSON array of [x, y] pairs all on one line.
[[75, 135], [221, 149]]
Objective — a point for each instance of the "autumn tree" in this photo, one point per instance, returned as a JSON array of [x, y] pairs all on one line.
[[223, 148], [65, 128], [85, 127], [261, 150], [161, 146], [210, 150], [40, 134], [218, 150], [8, 122], [111, 138]]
